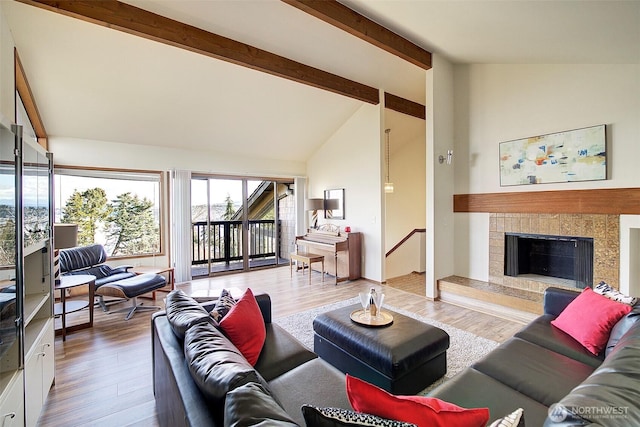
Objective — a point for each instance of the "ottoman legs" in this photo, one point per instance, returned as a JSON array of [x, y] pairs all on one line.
[[131, 288], [134, 307]]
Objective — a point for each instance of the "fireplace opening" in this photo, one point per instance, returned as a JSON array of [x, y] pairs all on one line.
[[562, 260]]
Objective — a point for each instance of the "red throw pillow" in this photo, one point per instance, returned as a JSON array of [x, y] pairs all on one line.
[[589, 319], [244, 325], [420, 410]]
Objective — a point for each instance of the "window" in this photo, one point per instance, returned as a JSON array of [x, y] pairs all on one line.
[[119, 209]]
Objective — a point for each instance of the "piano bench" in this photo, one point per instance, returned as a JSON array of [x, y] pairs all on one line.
[[305, 258]]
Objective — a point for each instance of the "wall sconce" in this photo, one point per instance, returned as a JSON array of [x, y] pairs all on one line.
[[448, 159], [314, 205]]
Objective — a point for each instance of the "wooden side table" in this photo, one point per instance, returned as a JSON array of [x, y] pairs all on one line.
[[64, 307], [145, 269]]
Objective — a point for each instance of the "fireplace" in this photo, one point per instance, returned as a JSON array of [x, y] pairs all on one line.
[[556, 259]]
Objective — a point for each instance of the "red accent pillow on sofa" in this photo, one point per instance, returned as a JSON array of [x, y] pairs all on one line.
[[589, 319], [420, 410], [244, 325]]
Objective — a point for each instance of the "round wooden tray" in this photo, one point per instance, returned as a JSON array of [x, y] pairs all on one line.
[[361, 317]]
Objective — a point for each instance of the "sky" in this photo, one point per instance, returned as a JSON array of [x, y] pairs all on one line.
[[219, 188]]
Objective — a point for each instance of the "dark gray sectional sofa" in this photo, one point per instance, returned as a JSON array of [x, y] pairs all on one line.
[[537, 369], [286, 376], [541, 367]]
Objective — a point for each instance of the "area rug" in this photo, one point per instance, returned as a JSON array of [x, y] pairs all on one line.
[[465, 347]]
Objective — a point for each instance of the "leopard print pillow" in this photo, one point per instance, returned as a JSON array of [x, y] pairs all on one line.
[[223, 305], [613, 294], [514, 419], [336, 417]]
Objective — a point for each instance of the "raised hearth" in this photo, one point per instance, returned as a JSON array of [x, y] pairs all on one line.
[[498, 300]]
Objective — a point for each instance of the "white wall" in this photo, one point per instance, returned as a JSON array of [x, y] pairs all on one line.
[[7, 80], [440, 177], [351, 159], [471, 254], [71, 151], [409, 257], [405, 207], [630, 251], [496, 103]]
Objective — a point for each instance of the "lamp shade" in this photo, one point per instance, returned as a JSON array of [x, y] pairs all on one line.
[[65, 236], [331, 204], [314, 204]]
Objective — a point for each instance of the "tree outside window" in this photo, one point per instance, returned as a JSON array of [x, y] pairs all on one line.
[[121, 211]]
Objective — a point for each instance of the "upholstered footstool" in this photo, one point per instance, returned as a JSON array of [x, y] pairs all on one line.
[[132, 288], [403, 358]]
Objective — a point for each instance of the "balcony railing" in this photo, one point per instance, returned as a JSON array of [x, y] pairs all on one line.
[[221, 241]]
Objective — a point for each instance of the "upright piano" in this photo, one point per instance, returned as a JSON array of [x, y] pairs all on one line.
[[342, 252]]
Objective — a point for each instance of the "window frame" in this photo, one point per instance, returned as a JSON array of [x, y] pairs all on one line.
[[98, 172]]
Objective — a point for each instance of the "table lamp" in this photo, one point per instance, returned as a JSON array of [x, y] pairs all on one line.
[[314, 205], [64, 236], [329, 206]]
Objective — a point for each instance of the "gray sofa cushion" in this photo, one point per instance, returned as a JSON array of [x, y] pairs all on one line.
[[611, 394], [534, 371], [179, 401], [473, 389], [314, 383], [281, 352], [541, 332], [216, 365], [253, 405], [621, 328], [184, 312]]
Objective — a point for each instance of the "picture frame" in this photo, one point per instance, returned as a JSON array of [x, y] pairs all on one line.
[[334, 203], [569, 156]]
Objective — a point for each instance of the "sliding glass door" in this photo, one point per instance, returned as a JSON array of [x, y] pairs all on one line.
[[236, 223]]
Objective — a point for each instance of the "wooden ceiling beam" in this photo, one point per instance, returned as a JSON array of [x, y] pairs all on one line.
[[405, 106], [348, 20], [29, 102], [139, 22]]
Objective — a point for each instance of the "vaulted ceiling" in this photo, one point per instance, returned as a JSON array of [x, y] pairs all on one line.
[[96, 83]]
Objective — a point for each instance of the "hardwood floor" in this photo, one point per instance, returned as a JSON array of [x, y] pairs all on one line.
[[103, 374]]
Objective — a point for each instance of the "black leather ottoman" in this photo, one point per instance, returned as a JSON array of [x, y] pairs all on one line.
[[402, 358], [131, 288]]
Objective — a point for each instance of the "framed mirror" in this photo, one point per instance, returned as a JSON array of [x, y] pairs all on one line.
[[334, 203]]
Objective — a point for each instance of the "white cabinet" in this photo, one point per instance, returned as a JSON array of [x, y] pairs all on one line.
[[12, 402], [38, 372], [27, 356]]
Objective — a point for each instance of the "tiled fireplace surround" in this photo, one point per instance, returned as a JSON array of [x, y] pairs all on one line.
[[604, 229]]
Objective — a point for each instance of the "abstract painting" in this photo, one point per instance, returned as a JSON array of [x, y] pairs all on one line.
[[574, 155]]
